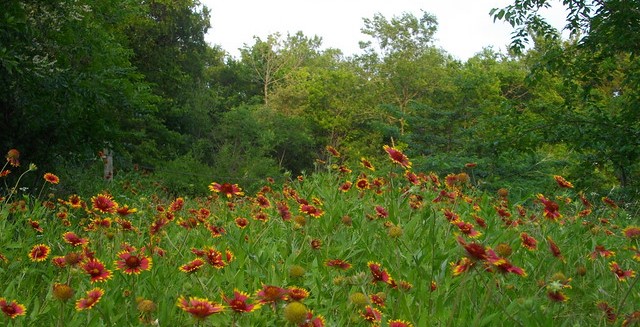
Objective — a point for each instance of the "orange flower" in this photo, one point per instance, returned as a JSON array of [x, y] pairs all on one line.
[[562, 182], [51, 178], [13, 157], [397, 157], [39, 252]]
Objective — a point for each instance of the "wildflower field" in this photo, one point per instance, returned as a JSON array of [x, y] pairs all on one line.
[[374, 244]]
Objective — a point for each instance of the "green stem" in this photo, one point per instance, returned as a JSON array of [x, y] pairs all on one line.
[[626, 294]]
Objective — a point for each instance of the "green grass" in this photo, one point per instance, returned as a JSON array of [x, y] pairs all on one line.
[[419, 256]]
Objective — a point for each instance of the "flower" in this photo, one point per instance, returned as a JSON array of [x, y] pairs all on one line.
[[367, 164], [621, 274], [338, 263], [562, 182], [13, 157], [104, 203], [311, 210], [295, 313], [346, 186], [555, 250], [131, 263], [333, 151], [241, 222], [199, 308], [461, 266], [550, 208], [39, 252], [362, 183], [397, 157], [601, 251], [399, 323], [96, 269], [176, 205], [192, 266], [226, 188], [371, 314], [503, 264], [125, 210], [379, 274], [297, 293], [12, 309], [528, 242], [62, 292], [312, 321], [93, 297], [238, 303], [271, 294], [609, 311], [631, 232], [51, 178], [557, 296], [466, 228], [608, 201], [73, 239], [475, 250]]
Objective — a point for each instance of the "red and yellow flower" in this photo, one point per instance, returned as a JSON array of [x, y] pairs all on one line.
[[93, 297], [620, 273], [397, 157], [199, 308], [97, 270], [528, 241], [51, 178], [39, 252], [338, 263], [12, 309], [239, 302], [104, 203], [271, 294], [227, 189], [73, 239], [129, 262], [562, 182]]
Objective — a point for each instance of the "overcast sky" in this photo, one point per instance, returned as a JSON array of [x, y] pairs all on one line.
[[464, 26]]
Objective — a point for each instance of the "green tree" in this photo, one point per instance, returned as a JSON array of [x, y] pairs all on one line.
[[600, 70]]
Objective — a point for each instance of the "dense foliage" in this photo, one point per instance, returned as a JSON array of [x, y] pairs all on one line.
[[137, 77]]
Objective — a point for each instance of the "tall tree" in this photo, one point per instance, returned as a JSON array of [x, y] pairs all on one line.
[[600, 68], [273, 59]]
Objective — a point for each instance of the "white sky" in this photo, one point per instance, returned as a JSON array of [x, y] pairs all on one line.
[[464, 26]]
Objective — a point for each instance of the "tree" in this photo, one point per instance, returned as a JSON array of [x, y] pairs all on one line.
[[600, 70], [273, 59]]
